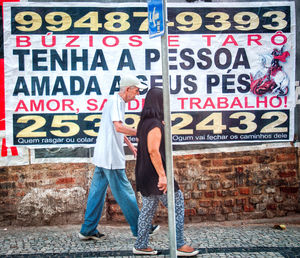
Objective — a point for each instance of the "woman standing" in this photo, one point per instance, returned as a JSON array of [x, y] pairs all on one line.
[[151, 179]]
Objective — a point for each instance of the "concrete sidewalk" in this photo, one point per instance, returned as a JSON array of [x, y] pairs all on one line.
[[252, 238]]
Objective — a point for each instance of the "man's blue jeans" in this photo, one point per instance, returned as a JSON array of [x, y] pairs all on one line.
[[122, 192]]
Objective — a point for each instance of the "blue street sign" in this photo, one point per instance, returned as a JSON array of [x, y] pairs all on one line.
[[155, 18]]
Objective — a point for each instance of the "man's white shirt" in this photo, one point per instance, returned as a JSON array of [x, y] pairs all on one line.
[[109, 148]]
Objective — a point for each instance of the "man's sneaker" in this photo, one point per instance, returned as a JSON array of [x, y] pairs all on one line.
[[186, 251], [97, 236], [148, 251], [154, 230], [182, 253]]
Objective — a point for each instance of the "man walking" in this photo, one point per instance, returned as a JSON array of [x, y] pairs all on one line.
[[109, 159]]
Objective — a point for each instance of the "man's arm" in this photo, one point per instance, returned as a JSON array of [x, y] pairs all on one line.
[[121, 128]]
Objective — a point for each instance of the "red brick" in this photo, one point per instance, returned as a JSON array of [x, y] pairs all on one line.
[[30, 184], [114, 208], [239, 170], [3, 178], [233, 192], [180, 165], [213, 211], [7, 185], [289, 190], [225, 210], [272, 206], [292, 166], [199, 156], [205, 163], [118, 217], [221, 193], [248, 208], [13, 178], [188, 157], [216, 203], [177, 157], [190, 212], [20, 194], [265, 159], [221, 170], [281, 157], [218, 162], [229, 203], [287, 174], [37, 177], [20, 185], [54, 174], [209, 194], [241, 201], [66, 180], [3, 193], [244, 190], [4, 170], [204, 203], [239, 161]]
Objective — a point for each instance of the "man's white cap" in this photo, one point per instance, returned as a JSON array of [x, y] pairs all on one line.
[[130, 80]]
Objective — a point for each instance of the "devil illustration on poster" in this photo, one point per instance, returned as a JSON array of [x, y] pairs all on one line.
[[271, 78]]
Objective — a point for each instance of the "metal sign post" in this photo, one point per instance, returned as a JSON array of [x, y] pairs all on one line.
[[168, 147], [157, 17]]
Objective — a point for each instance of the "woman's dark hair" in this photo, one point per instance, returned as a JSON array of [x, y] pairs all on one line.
[[153, 107]]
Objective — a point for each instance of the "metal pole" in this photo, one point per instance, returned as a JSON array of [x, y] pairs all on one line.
[[168, 136]]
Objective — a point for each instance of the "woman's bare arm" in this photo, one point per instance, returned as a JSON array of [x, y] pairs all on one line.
[[154, 141]]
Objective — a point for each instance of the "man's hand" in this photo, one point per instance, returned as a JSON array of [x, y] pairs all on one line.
[[130, 146], [133, 150]]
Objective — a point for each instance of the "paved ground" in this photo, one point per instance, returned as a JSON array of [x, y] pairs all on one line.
[[253, 238]]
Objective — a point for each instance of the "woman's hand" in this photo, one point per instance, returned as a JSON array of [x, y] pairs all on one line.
[[162, 184]]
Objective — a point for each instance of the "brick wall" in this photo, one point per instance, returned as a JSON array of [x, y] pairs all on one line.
[[244, 185], [216, 187]]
